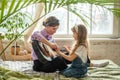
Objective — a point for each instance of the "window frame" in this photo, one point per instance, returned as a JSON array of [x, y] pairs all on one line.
[[115, 35]]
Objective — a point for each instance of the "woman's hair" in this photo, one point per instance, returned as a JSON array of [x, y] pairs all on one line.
[[82, 36], [51, 21]]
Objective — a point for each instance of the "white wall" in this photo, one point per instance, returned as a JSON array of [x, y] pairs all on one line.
[[100, 48]]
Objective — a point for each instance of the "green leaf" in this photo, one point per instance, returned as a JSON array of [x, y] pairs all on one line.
[[50, 5], [23, 3], [80, 16], [45, 6], [11, 7], [17, 5], [55, 4], [116, 11], [60, 4], [2, 10]]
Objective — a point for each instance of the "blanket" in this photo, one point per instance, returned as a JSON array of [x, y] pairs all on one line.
[[110, 72]]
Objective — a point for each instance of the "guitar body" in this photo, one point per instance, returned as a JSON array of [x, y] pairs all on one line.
[[43, 51]]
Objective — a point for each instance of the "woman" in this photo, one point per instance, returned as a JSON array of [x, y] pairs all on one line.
[[51, 25]]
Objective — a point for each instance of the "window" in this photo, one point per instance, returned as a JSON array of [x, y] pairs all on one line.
[[100, 21], [103, 21], [29, 10], [61, 14]]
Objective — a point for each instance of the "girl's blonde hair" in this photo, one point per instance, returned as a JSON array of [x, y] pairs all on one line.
[[82, 37]]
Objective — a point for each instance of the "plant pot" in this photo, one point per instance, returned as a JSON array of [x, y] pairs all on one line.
[[13, 50]]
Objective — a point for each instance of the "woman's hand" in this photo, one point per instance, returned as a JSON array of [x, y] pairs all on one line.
[[53, 46], [57, 50]]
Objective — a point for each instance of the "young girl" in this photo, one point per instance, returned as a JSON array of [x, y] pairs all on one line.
[[78, 54]]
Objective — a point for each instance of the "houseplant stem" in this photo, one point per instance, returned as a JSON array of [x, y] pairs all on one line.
[[19, 35]]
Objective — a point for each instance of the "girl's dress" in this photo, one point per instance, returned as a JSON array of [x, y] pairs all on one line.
[[79, 65]]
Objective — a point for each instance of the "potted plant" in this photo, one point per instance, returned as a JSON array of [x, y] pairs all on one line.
[[13, 26]]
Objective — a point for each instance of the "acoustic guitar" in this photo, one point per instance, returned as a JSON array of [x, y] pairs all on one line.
[[43, 51]]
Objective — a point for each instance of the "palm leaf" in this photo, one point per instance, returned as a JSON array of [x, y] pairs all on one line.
[[55, 4], [81, 16], [29, 2], [24, 3], [60, 3], [17, 5], [2, 10], [116, 11], [50, 5], [45, 4], [11, 7], [20, 35], [20, 5]]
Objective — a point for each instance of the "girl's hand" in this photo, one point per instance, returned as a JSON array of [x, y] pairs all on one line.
[[56, 48], [68, 48]]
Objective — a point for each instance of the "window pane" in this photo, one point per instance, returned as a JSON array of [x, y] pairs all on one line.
[[98, 21], [102, 21], [61, 14], [30, 10], [84, 11]]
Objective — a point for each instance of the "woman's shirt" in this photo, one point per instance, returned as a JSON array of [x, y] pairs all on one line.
[[39, 35]]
